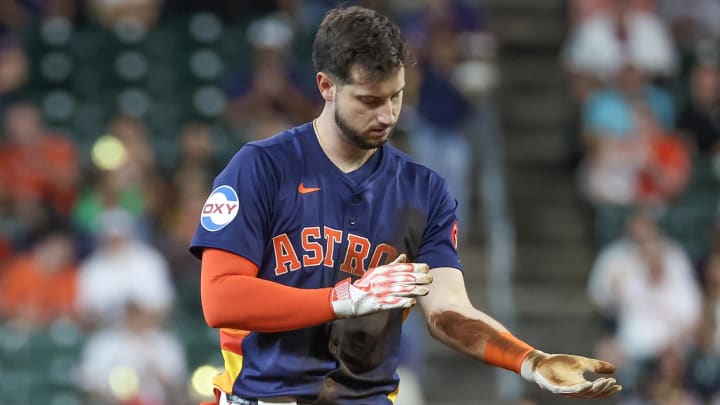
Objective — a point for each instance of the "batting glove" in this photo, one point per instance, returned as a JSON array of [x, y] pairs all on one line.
[[563, 374], [390, 286]]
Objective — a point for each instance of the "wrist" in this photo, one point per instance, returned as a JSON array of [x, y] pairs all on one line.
[[341, 300], [529, 363], [507, 351]]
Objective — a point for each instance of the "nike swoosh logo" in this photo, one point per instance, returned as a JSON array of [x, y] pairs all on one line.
[[307, 190]]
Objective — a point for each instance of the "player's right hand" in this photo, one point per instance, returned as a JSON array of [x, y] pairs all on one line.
[[390, 286]]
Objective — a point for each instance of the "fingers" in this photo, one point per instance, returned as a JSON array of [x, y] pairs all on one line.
[[405, 268], [397, 271], [408, 302], [400, 259], [598, 389], [576, 389], [421, 268], [391, 302], [422, 279], [597, 366], [399, 290], [396, 280], [404, 274], [411, 291], [603, 367], [604, 387], [613, 390], [594, 388], [410, 284], [411, 278]]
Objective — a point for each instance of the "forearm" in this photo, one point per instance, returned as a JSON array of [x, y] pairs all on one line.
[[472, 332], [233, 297], [248, 303], [476, 334], [453, 320]]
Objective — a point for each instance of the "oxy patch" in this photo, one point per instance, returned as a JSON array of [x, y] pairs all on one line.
[[220, 208]]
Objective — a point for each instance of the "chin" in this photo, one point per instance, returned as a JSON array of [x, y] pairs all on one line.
[[375, 142]]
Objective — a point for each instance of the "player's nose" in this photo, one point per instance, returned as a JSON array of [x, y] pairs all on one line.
[[385, 114]]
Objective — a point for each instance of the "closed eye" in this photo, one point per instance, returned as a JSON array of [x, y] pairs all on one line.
[[368, 100]]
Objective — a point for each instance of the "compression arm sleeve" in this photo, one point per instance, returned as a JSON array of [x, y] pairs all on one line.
[[233, 297]]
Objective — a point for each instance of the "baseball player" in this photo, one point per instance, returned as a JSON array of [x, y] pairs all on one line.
[[316, 242]]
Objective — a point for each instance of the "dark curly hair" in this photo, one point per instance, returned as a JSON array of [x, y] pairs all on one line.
[[357, 36]]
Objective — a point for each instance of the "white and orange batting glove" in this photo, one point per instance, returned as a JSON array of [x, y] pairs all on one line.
[[564, 374], [390, 286]]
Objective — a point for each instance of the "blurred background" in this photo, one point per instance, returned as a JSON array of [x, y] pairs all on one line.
[[580, 138]]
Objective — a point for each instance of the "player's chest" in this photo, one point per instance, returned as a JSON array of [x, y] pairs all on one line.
[[321, 200], [321, 223]]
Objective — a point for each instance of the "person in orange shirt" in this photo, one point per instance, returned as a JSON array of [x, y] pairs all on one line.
[[667, 167], [39, 286], [36, 164]]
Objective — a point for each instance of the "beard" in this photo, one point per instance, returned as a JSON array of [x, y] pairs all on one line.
[[354, 136]]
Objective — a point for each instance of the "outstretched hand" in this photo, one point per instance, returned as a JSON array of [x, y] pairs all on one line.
[[564, 374]]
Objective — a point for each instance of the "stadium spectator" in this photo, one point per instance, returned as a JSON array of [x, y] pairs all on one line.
[[38, 286], [583, 9], [110, 13], [190, 182], [600, 45], [693, 24], [176, 231], [666, 381], [645, 287], [196, 153], [605, 36], [121, 269], [107, 189], [14, 70], [271, 94], [438, 35], [133, 181], [627, 143], [699, 121], [703, 359], [137, 362], [36, 164], [666, 171]]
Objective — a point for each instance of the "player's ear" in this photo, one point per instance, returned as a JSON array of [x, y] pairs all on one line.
[[326, 86]]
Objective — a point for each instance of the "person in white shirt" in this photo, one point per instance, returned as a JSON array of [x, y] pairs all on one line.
[[646, 283], [121, 269]]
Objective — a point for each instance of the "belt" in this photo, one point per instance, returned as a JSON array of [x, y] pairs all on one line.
[[235, 400]]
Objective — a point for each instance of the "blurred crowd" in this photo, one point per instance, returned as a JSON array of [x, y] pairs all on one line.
[[645, 82], [116, 116]]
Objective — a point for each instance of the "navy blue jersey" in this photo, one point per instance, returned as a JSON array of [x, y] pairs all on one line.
[[282, 204]]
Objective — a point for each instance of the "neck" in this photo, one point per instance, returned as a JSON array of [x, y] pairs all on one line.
[[342, 152]]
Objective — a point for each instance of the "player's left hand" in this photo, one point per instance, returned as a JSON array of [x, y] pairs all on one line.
[[564, 374]]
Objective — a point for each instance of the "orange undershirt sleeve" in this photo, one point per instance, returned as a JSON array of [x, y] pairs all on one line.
[[233, 297], [506, 351]]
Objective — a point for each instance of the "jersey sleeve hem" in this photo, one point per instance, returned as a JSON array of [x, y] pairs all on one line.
[[197, 248]]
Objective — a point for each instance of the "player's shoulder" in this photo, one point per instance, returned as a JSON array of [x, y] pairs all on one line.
[[285, 139], [408, 164], [274, 149]]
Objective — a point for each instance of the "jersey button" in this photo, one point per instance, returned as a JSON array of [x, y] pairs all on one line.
[[356, 198], [352, 221]]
